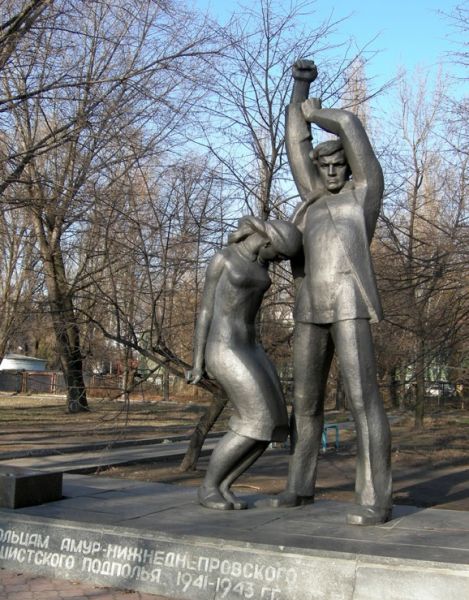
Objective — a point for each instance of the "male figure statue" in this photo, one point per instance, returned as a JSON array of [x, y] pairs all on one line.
[[340, 183]]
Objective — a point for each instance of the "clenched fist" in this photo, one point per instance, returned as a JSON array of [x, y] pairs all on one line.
[[304, 70]]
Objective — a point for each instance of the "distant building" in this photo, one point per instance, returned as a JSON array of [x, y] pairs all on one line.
[[18, 362]]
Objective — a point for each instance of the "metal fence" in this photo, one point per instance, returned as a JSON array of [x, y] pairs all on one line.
[[39, 382], [97, 386]]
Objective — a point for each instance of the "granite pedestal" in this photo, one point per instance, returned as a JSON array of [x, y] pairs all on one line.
[[156, 538], [21, 487]]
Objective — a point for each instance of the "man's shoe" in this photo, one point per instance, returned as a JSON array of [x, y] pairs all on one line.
[[368, 515], [285, 500]]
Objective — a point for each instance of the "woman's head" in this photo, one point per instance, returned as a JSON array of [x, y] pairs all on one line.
[[282, 238]]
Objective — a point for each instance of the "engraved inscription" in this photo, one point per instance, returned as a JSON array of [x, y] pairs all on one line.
[[153, 565]]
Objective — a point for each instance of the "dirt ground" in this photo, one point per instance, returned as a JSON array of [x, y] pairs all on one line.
[[430, 467]]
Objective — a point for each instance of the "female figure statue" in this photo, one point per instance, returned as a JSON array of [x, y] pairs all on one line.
[[225, 347]]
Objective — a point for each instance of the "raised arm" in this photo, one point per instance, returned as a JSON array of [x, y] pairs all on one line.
[[212, 276], [366, 170], [298, 132]]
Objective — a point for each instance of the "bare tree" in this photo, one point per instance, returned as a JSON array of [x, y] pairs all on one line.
[[458, 18], [19, 281], [251, 90], [21, 17], [419, 261], [106, 86]]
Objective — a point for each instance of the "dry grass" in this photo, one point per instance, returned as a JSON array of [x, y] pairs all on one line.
[[36, 421]]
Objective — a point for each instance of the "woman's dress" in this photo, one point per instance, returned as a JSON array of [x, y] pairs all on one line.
[[236, 360]]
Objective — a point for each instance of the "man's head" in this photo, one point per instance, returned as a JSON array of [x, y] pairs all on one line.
[[331, 164]]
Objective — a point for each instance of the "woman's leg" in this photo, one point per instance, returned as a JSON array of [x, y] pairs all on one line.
[[229, 454], [258, 447]]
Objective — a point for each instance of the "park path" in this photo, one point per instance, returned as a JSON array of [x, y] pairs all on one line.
[[81, 458], [88, 461]]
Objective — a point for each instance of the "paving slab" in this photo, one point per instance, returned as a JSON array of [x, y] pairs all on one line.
[[155, 538], [27, 586]]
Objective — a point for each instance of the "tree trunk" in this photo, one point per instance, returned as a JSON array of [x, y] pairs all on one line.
[[394, 387], [403, 385], [420, 387], [66, 327], [76, 390], [68, 345], [201, 430], [128, 375], [166, 384], [340, 399]]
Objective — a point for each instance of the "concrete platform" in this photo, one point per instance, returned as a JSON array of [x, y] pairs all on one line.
[[156, 538]]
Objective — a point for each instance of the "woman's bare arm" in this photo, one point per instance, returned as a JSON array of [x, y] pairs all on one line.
[[212, 276]]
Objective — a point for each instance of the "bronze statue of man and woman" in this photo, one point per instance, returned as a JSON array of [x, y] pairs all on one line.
[[340, 184]]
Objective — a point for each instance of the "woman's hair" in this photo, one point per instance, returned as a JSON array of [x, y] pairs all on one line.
[[283, 235], [246, 227]]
